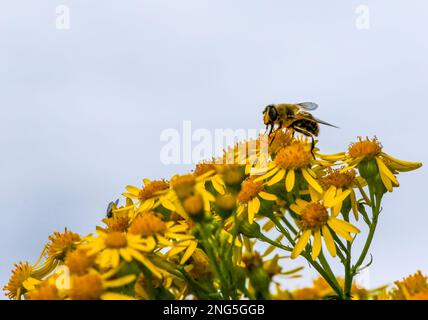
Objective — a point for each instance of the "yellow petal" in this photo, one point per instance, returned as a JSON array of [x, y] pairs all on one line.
[[217, 185], [329, 196], [297, 209], [315, 195], [404, 164], [267, 196], [120, 282], [166, 203], [328, 240], [354, 205], [268, 226], [311, 181], [189, 251], [251, 212], [276, 178], [316, 248], [176, 250], [116, 296], [301, 203], [267, 175], [343, 225], [133, 190], [339, 198], [301, 244], [256, 205], [386, 181], [289, 181], [138, 256]]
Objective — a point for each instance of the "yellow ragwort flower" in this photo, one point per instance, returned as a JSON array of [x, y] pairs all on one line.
[[314, 219], [292, 158], [250, 197], [111, 247]]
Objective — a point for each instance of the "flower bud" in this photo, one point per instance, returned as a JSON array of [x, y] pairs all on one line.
[[194, 206], [368, 169], [250, 230], [225, 204]]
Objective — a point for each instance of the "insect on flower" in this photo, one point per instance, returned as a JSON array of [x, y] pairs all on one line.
[[295, 117]]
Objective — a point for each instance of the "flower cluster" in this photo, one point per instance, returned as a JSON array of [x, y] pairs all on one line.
[[196, 235]]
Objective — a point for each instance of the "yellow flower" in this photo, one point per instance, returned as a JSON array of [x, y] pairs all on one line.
[[153, 194], [61, 243], [367, 153], [292, 158], [250, 197], [45, 291], [188, 185], [79, 261], [336, 180], [22, 280], [413, 287], [111, 247], [208, 171], [314, 219], [166, 234], [94, 286], [117, 223]]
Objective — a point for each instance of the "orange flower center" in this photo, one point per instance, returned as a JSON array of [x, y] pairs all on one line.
[[153, 189], [313, 216], [339, 179], [117, 223], [249, 190], [61, 243], [202, 168], [78, 261], [45, 292], [279, 139], [365, 148], [115, 239], [147, 224], [87, 287], [293, 156]]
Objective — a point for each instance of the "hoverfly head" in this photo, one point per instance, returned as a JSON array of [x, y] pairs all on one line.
[[270, 114]]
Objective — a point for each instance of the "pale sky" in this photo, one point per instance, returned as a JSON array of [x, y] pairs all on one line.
[[82, 109]]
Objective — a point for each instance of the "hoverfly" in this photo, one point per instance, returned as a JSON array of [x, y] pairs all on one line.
[[295, 117]]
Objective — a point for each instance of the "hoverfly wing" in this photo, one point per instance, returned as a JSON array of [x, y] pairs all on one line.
[[112, 205], [325, 123], [309, 106]]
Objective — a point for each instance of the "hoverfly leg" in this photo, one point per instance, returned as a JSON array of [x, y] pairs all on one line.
[[312, 146]]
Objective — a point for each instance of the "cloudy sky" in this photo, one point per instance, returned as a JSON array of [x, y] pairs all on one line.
[[82, 109]]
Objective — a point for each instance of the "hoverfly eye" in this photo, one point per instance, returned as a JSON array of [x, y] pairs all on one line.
[[273, 113]]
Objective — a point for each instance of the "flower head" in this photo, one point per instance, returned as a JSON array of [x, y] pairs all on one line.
[[21, 280], [61, 243], [250, 197], [318, 218], [296, 157]]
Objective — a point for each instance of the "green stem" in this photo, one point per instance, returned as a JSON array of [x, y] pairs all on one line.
[[214, 261], [332, 281], [375, 212], [348, 274], [274, 243]]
